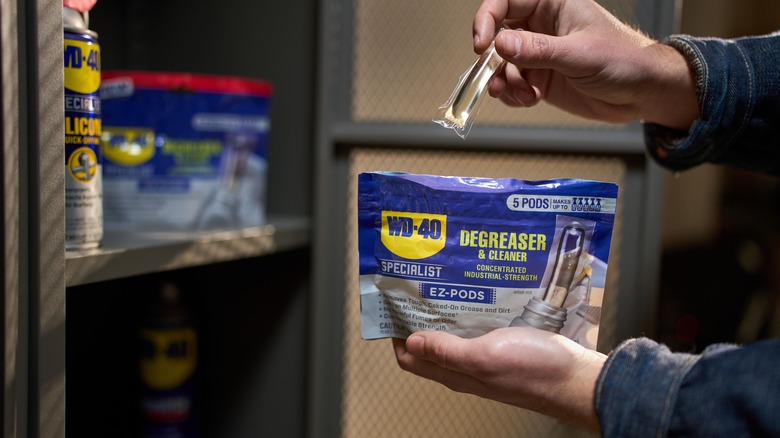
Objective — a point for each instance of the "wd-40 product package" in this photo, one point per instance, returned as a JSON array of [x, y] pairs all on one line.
[[184, 151], [469, 255]]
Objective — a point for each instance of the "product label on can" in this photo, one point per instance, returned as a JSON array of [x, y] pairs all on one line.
[[83, 128]]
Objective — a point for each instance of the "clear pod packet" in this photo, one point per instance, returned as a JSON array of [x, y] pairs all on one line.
[[468, 255], [461, 108]]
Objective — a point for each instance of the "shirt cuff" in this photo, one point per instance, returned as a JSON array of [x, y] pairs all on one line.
[[637, 389], [672, 148]]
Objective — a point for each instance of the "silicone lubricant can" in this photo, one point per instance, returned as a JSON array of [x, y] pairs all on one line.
[[83, 168], [167, 366]]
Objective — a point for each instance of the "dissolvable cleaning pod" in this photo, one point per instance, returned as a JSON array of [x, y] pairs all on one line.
[[460, 110]]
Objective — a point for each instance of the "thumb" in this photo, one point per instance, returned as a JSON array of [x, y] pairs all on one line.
[[528, 49], [442, 348]]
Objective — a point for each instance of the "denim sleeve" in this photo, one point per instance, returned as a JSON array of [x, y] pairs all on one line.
[[645, 390], [738, 84]]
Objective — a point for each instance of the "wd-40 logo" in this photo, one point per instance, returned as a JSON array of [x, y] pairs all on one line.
[[168, 356], [586, 204], [82, 66], [128, 146], [413, 235]]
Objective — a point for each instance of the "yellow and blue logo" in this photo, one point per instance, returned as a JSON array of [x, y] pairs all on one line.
[[82, 66], [128, 146], [168, 357], [413, 236]]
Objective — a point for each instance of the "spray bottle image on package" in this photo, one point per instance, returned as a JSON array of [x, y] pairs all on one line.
[[468, 255]]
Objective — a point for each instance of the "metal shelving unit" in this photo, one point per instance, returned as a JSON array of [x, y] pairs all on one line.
[[39, 276]]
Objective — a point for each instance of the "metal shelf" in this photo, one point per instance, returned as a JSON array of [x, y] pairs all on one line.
[[128, 254]]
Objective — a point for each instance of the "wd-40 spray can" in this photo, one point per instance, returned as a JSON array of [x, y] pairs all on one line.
[[83, 172], [168, 363]]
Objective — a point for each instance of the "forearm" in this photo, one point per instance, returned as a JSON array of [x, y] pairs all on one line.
[[671, 100], [579, 408]]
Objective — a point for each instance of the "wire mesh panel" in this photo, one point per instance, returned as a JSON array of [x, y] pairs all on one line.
[[380, 400], [409, 54]]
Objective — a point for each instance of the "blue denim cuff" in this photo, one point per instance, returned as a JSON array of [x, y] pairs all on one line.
[[731, 391], [637, 389], [738, 87], [715, 71]]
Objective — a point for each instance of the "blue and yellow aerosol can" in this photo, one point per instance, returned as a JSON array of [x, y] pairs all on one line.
[[83, 170], [167, 366]]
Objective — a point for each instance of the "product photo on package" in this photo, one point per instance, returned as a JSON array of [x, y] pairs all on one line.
[[470, 254]]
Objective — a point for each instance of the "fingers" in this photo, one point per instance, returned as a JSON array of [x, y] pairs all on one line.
[[488, 18], [534, 50], [433, 346], [414, 356], [430, 347], [553, 31], [444, 349], [513, 89], [493, 13]]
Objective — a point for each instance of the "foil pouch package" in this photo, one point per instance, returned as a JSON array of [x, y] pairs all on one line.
[[184, 152], [468, 255]]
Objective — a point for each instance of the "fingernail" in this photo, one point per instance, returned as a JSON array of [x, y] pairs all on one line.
[[476, 39], [415, 345], [515, 46]]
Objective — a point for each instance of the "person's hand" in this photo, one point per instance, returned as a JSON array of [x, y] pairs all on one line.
[[580, 58], [521, 366]]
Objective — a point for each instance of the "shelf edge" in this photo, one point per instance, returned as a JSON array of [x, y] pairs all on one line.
[[143, 254]]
